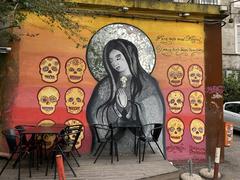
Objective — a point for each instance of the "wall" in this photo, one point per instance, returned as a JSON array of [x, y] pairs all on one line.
[[172, 47]]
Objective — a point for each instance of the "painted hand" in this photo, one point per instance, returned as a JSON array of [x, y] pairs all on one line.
[[122, 98]]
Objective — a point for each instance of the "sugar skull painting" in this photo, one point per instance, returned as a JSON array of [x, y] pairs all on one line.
[[175, 128], [175, 101], [175, 74], [197, 129]]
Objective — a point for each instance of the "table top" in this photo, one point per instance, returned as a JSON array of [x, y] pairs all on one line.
[[56, 129]]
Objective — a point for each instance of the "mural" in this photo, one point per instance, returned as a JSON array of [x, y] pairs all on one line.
[[75, 68], [48, 98], [158, 76], [127, 92], [49, 69], [197, 129]]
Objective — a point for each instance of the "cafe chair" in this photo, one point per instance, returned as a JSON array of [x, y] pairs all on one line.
[[155, 130], [15, 148], [98, 129], [65, 144]]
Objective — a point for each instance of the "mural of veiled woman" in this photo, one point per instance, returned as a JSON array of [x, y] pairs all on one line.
[[126, 93]]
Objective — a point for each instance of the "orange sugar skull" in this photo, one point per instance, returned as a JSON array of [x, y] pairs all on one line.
[[197, 129], [48, 98], [72, 122], [74, 100], [49, 69], [175, 128], [175, 74], [196, 101], [195, 75], [47, 138], [75, 68], [175, 101]]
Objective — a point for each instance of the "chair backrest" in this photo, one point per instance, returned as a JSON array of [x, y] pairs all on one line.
[[101, 131], [11, 138], [156, 130], [70, 136]]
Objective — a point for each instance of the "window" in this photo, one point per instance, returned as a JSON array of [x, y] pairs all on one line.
[[233, 107]]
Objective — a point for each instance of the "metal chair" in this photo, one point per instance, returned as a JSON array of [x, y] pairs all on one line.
[[15, 148], [103, 140], [65, 143], [155, 130]]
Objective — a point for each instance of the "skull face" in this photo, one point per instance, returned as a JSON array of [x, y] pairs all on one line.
[[175, 74], [197, 129], [47, 99], [74, 100], [71, 122], [175, 101], [75, 68], [48, 138], [195, 75], [49, 69], [175, 128], [196, 101]]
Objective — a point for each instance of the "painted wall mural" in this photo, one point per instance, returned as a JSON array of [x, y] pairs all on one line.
[[163, 73]]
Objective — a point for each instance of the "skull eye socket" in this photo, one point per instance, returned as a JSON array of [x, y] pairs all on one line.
[[79, 69], [44, 99], [172, 101], [53, 99], [71, 69], [194, 129], [198, 75], [199, 101], [193, 101], [179, 129], [70, 99], [171, 74], [200, 130], [179, 74], [192, 74], [171, 129], [78, 99], [179, 101], [54, 68], [45, 68]]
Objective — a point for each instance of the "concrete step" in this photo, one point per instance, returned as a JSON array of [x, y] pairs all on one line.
[[167, 176]]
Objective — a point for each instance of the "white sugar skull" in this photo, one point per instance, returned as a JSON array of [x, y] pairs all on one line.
[[75, 68], [197, 129], [175, 74], [71, 122], [49, 69], [196, 101], [195, 75], [48, 98], [47, 138], [175, 129], [175, 101], [74, 100]]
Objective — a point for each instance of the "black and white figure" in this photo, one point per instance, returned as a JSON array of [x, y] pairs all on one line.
[[127, 93]]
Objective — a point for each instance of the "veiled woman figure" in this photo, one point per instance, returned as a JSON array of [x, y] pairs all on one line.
[[127, 93]]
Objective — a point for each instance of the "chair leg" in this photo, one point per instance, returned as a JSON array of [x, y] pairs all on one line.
[[77, 151], [103, 146], [151, 147], [97, 149], [7, 163], [29, 164], [46, 172], [160, 150], [139, 150], [75, 159], [144, 147], [65, 158], [116, 150]]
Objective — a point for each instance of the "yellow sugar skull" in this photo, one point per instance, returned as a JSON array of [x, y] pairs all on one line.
[[48, 98], [195, 75], [175, 74], [71, 122], [74, 100], [196, 101], [197, 129], [75, 68], [175, 101], [49, 69], [175, 129], [48, 138]]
